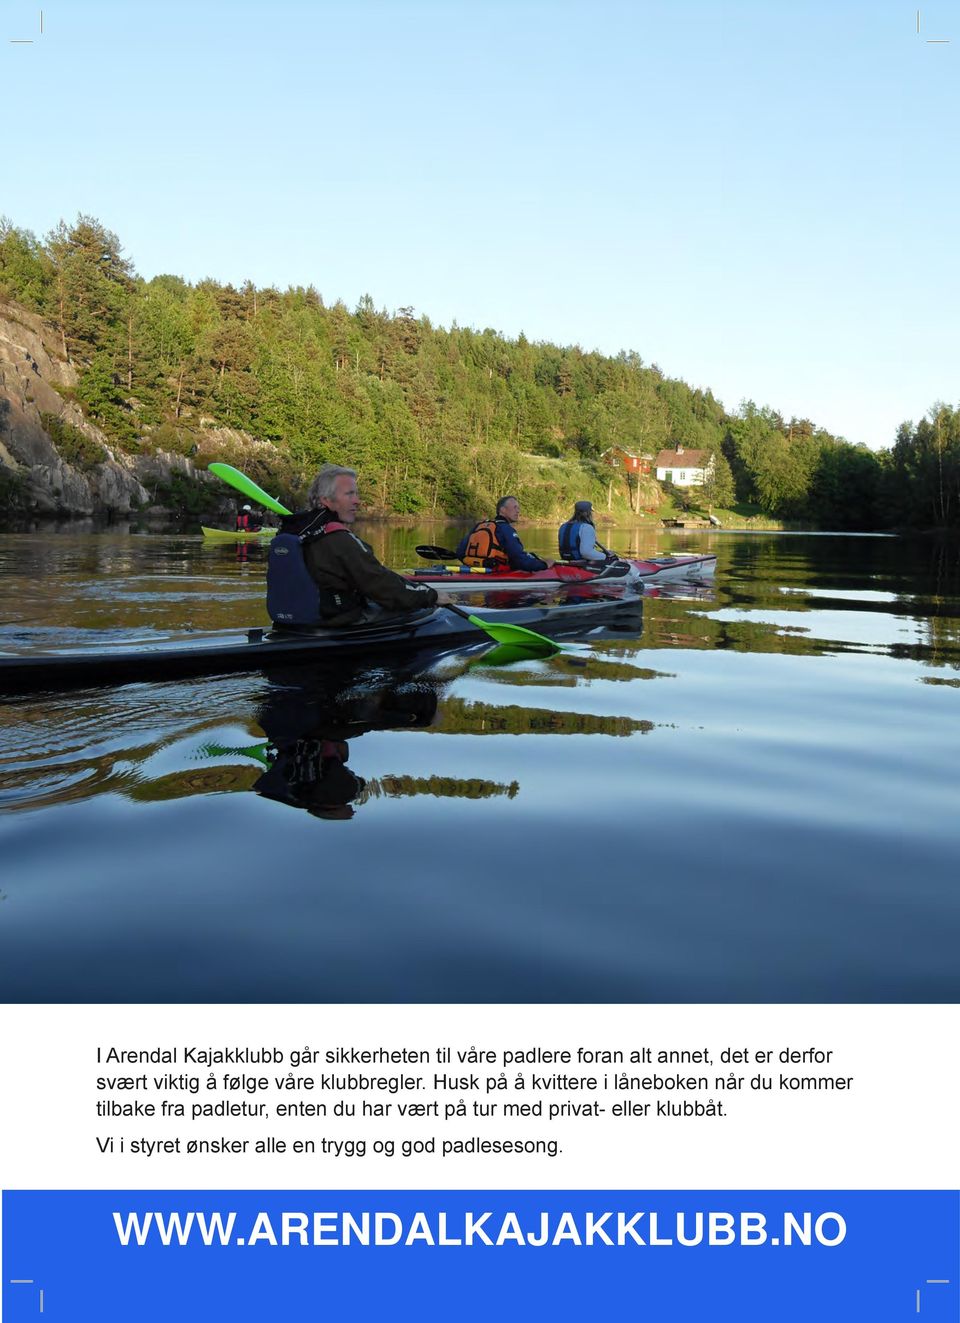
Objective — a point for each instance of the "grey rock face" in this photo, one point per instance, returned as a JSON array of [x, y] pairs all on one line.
[[30, 368], [33, 375]]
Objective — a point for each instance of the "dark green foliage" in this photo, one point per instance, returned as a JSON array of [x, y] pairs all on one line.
[[795, 471], [845, 488], [101, 395], [718, 489], [435, 420], [922, 479], [186, 496], [25, 269], [90, 291]]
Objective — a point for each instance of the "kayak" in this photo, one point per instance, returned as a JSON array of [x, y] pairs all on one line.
[[165, 657], [658, 569], [227, 535]]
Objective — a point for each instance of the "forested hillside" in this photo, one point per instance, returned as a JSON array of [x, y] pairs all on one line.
[[436, 420]]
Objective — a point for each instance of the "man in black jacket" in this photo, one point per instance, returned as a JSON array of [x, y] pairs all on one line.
[[353, 583]]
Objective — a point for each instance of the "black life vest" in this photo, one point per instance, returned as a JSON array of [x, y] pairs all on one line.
[[294, 598], [570, 539], [483, 547]]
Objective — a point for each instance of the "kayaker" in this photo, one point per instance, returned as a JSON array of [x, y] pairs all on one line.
[[578, 537], [246, 521], [344, 583], [493, 543]]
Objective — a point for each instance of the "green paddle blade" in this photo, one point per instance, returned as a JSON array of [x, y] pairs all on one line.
[[514, 634], [246, 485], [505, 654], [258, 751], [506, 633]]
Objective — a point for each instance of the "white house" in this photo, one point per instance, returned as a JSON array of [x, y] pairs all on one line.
[[685, 468]]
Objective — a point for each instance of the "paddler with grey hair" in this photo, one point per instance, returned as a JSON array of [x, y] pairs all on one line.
[[578, 537], [493, 543], [319, 573]]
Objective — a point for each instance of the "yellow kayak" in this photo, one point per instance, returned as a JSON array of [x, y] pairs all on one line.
[[228, 535]]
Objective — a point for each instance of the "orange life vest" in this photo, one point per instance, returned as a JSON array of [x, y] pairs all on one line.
[[483, 547]]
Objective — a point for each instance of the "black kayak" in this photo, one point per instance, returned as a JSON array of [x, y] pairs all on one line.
[[113, 661]]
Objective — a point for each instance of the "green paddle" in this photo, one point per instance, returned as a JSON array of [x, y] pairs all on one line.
[[505, 654], [249, 488], [500, 633], [258, 751], [506, 633]]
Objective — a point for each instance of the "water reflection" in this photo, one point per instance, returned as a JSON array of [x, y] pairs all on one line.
[[298, 725], [309, 724], [309, 727], [799, 594], [752, 800]]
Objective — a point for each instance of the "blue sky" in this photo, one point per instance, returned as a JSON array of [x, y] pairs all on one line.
[[762, 199]]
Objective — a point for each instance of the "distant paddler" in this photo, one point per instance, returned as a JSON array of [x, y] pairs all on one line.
[[247, 522], [578, 538], [494, 544]]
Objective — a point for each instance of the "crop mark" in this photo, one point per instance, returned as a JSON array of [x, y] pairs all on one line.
[[27, 41], [27, 1281], [932, 1281], [932, 41]]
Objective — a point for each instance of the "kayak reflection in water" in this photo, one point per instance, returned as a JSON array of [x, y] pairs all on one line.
[[308, 726], [310, 723], [313, 774]]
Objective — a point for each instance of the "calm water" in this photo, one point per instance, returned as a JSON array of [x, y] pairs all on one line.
[[754, 799]]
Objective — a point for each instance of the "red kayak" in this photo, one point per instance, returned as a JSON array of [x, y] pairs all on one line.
[[657, 569]]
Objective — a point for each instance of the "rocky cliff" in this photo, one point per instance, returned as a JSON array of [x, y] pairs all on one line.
[[55, 462]]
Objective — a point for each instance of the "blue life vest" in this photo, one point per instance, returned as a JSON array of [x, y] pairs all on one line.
[[293, 596], [570, 539]]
